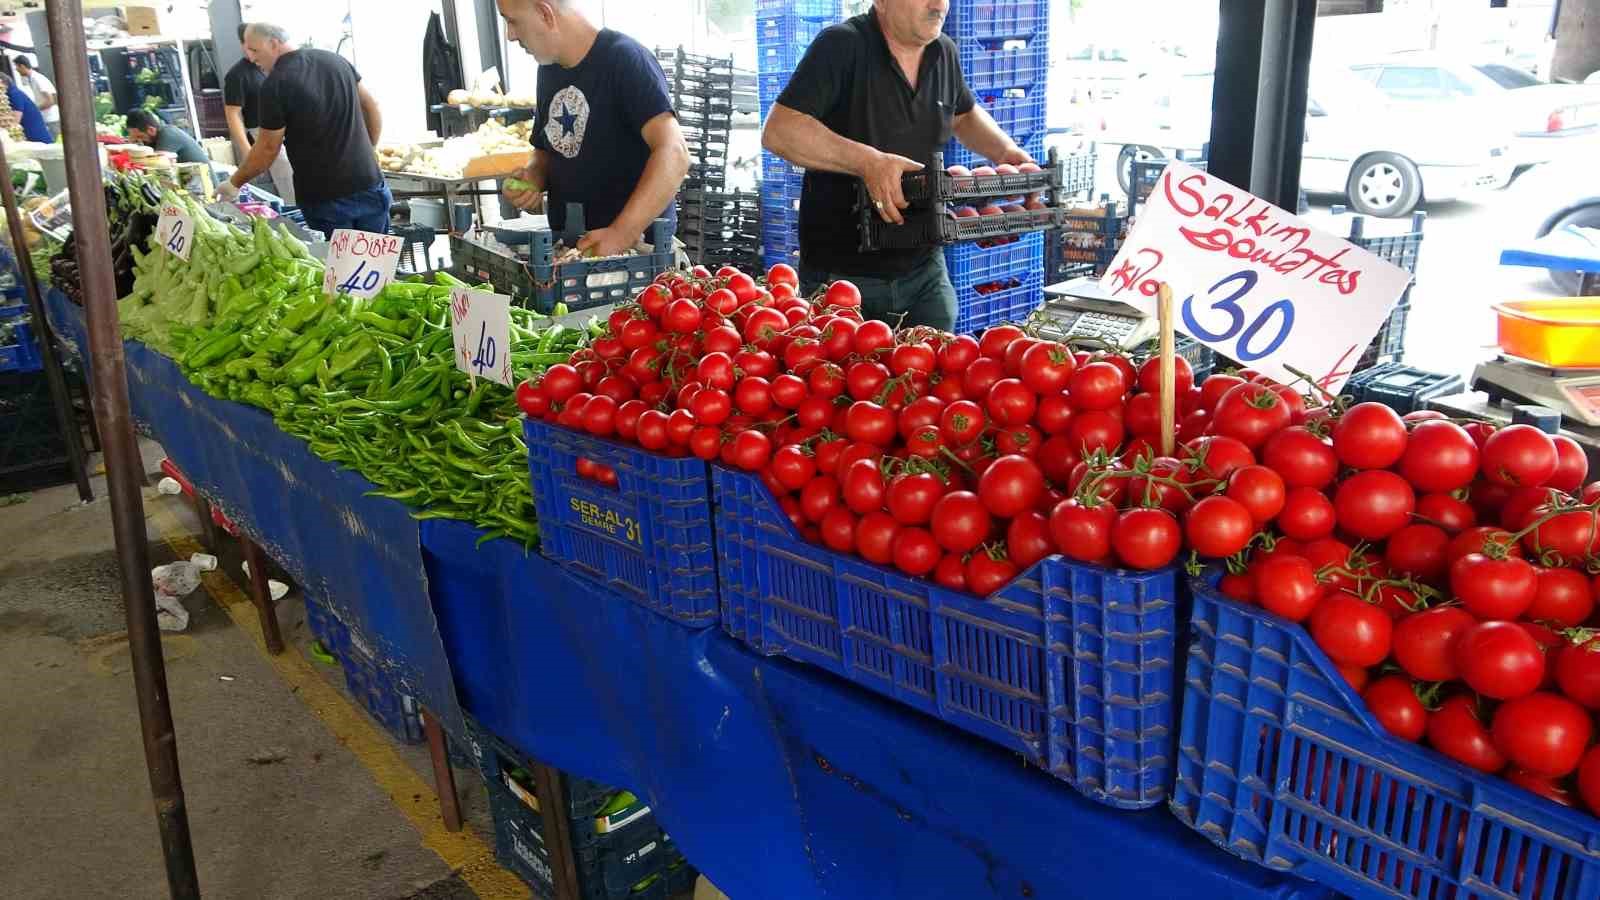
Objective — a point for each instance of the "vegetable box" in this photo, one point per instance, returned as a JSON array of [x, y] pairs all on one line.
[[1070, 665], [648, 538], [1280, 763]]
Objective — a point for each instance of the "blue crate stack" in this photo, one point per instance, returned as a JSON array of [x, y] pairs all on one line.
[[784, 29], [1004, 55]]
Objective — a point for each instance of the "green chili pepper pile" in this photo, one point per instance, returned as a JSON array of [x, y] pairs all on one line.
[[371, 384]]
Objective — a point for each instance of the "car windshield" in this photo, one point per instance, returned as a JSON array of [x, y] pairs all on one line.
[[1509, 77]]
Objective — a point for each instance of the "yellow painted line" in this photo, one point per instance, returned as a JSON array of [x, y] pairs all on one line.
[[464, 852]]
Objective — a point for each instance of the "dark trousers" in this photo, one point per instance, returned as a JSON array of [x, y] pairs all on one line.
[[922, 296], [366, 210]]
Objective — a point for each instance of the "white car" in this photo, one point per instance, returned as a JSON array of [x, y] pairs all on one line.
[[1550, 121], [1385, 160]]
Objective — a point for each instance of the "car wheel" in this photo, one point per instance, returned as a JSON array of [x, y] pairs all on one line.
[[1385, 185], [1586, 217], [1125, 159]]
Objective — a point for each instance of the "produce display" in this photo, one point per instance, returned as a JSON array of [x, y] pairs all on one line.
[[132, 208], [451, 159], [491, 99], [371, 384]]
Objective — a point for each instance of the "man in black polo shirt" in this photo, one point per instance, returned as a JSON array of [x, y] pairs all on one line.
[[313, 103], [874, 97], [241, 89]]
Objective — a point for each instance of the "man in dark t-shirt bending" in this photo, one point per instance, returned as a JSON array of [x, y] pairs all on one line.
[[874, 97], [605, 136], [313, 103]]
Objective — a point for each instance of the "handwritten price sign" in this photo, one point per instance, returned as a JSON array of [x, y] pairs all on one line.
[[360, 263], [480, 322], [1256, 283], [175, 230]]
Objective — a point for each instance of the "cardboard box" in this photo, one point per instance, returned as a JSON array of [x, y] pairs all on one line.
[[142, 19]]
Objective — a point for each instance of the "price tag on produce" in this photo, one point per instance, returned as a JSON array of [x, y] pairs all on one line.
[[175, 230], [360, 263], [480, 322], [1253, 282]]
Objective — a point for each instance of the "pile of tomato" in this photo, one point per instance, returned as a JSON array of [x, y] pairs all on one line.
[[1444, 567]]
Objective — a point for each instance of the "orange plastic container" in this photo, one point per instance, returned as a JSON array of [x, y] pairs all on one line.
[[1563, 332]]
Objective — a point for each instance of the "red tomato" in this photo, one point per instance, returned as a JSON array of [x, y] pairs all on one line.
[[1286, 585], [1394, 704], [1250, 413], [1578, 672], [1423, 642], [1141, 415], [1146, 538], [561, 382], [912, 358], [1439, 457], [915, 551], [838, 528], [995, 340], [1562, 597], [705, 442], [982, 375], [1302, 458], [1374, 504], [681, 316], [1542, 732], [1449, 513], [1350, 630], [652, 430], [1456, 730], [1260, 490], [961, 422], [1219, 527], [1307, 515], [1028, 539], [819, 497], [1519, 456], [750, 450], [826, 381], [960, 521], [1494, 588], [1369, 436], [1082, 532], [753, 396], [1567, 538], [867, 421], [862, 486], [1572, 466], [793, 467], [1215, 457], [763, 325], [743, 286], [1149, 379], [1010, 486], [1499, 659], [1543, 785], [1010, 403], [911, 498], [788, 391], [1054, 413], [1477, 540], [1098, 385], [875, 535], [951, 572], [711, 407], [782, 273], [957, 353], [1013, 356], [1212, 391], [989, 572], [1093, 430], [1019, 439], [1047, 367], [872, 337], [1418, 551], [842, 293]]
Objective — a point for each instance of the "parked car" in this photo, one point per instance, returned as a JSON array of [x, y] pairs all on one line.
[[1549, 120], [1385, 161]]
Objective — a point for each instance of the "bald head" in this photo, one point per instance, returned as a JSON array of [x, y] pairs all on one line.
[[553, 31], [264, 43]]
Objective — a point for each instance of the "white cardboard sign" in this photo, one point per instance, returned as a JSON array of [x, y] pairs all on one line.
[[1252, 281], [480, 323], [360, 263], [175, 230]]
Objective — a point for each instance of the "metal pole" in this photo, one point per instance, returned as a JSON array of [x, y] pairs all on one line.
[[66, 420], [124, 468]]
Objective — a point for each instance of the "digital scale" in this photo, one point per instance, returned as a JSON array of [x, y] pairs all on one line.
[[1575, 393], [1080, 309]]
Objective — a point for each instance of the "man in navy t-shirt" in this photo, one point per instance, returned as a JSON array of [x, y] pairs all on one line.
[[605, 137]]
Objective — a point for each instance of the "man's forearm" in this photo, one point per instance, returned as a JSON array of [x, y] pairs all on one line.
[[806, 142], [237, 131], [658, 185], [254, 165], [374, 120], [977, 131]]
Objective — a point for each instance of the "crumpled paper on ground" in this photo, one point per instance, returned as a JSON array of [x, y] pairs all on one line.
[[173, 582]]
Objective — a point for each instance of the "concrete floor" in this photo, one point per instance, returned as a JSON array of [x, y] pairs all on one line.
[[292, 792]]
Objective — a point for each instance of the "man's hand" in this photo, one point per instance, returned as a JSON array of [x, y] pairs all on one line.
[[227, 192], [607, 242], [882, 176], [529, 197], [1016, 156]]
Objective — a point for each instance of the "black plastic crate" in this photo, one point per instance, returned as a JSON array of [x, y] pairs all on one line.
[[937, 185], [538, 282], [1389, 344], [1405, 389], [629, 868], [925, 228], [30, 440], [1399, 249], [1146, 173]]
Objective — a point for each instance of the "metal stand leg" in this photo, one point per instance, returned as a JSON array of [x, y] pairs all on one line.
[[444, 778], [557, 830], [208, 526], [261, 596]]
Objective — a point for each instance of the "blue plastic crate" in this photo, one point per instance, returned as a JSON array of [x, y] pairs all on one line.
[[1280, 763], [22, 355], [971, 264], [976, 311], [994, 65], [1020, 114], [781, 41], [997, 18], [771, 256], [12, 310], [775, 167], [377, 692], [782, 191], [325, 627], [769, 86], [649, 538], [808, 9], [1069, 665], [1405, 389]]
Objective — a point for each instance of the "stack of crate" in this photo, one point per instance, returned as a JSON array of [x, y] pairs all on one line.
[[716, 225], [1004, 55], [784, 29]]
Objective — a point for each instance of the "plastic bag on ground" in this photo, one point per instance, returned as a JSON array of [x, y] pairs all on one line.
[[172, 583]]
